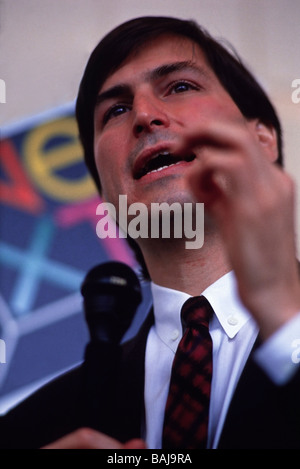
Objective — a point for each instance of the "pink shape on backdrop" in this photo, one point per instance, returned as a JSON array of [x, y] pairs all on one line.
[[74, 214]]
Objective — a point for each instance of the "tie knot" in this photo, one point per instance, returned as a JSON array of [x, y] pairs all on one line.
[[196, 312]]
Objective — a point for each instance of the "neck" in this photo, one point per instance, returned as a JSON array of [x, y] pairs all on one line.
[[171, 265]]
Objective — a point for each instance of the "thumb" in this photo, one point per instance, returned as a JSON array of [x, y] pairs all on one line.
[[135, 444]]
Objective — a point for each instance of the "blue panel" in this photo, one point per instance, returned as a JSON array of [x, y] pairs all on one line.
[[48, 242]]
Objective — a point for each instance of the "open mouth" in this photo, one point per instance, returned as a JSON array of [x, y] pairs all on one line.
[[160, 161]]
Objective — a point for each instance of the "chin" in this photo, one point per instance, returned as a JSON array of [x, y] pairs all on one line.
[[179, 196]]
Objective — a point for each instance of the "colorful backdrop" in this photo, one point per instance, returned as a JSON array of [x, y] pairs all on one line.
[[48, 243]]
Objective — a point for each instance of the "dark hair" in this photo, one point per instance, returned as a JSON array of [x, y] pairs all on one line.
[[116, 46]]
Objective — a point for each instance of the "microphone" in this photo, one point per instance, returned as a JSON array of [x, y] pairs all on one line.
[[111, 295]]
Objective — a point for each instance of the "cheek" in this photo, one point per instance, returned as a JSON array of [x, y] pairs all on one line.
[[105, 163], [109, 153], [208, 107], [108, 148]]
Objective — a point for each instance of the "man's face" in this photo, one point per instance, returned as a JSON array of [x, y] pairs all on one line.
[[145, 110]]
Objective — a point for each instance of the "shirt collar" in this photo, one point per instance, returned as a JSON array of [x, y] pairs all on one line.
[[167, 304], [224, 300], [223, 297]]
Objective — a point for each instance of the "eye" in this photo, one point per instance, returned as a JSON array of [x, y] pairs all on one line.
[[181, 87], [115, 111]]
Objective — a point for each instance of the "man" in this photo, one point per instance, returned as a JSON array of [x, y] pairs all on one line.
[[166, 114]]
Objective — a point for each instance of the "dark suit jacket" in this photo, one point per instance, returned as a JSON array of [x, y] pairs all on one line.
[[261, 415]]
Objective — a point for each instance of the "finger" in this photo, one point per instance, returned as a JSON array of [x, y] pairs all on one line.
[[216, 177], [85, 438], [240, 137], [220, 172], [219, 134], [135, 444]]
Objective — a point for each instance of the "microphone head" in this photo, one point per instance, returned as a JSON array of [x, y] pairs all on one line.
[[111, 293]]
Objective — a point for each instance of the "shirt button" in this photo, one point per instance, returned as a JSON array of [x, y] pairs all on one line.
[[232, 321], [175, 334]]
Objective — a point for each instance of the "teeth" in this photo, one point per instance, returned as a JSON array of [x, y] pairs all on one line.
[[163, 167], [159, 169], [164, 158]]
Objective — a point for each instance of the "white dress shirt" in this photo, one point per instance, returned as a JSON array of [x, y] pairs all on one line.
[[233, 333]]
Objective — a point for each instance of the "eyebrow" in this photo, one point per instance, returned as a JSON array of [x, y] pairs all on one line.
[[123, 89], [167, 69]]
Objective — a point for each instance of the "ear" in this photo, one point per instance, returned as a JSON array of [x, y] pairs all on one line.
[[267, 137]]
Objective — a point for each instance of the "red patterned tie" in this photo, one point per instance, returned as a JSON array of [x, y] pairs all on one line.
[[186, 415]]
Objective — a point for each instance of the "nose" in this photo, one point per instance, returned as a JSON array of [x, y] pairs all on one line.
[[149, 113]]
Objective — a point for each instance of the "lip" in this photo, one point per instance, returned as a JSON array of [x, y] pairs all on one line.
[[149, 153]]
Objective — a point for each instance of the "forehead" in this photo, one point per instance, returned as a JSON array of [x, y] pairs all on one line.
[[164, 49]]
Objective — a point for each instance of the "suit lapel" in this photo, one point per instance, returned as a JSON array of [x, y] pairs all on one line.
[[262, 415]]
